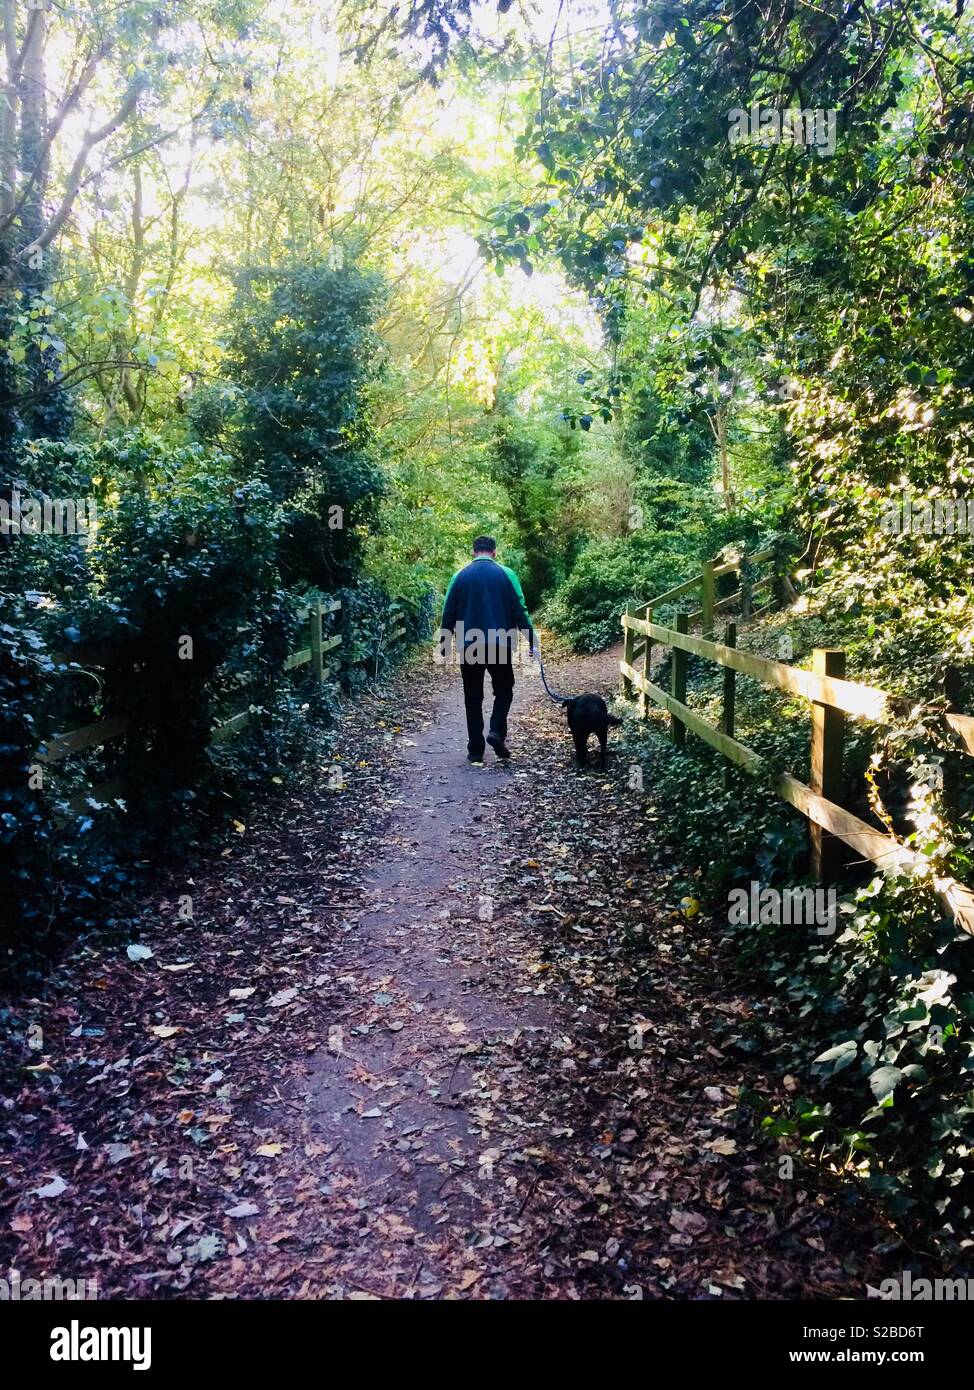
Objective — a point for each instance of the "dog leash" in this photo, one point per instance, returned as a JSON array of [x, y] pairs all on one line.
[[559, 699]]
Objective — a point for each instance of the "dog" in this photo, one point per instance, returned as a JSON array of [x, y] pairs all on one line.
[[588, 714]]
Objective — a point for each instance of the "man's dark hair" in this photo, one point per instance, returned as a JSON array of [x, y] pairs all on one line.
[[484, 545]]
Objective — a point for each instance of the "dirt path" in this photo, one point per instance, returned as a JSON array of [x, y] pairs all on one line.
[[442, 1033]]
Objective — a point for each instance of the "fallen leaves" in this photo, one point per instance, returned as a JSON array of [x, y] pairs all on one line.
[[688, 1223], [722, 1146], [562, 1110], [55, 1188], [282, 997], [242, 1209], [206, 1248]]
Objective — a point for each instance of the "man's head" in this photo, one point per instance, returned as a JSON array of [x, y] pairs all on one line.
[[485, 545]]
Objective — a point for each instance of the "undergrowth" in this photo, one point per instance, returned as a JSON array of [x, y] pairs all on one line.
[[871, 1024]]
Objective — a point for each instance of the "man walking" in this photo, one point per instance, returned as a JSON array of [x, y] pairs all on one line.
[[485, 611]]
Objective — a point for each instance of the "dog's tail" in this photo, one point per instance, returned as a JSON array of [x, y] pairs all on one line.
[[611, 719]]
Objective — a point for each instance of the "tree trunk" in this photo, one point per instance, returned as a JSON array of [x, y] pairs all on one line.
[[46, 414]]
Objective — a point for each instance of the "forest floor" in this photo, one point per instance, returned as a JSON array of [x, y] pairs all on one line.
[[442, 1033]]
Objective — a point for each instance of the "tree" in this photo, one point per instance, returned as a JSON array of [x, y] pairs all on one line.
[[114, 72], [302, 354]]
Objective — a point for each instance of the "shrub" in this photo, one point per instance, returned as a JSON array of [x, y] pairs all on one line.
[[883, 1051], [178, 619], [301, 356], [875, 1021]]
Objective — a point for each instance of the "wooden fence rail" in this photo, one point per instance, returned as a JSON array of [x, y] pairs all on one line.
[[105, 731], [97, 735], [704, 584], [831, 697]]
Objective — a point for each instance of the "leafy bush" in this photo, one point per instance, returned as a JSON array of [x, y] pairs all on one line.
[[173, 615], [54, 860], [881, 1043], [874, 1022], [301, 356], [760, 837], [192, 566], [529, 465], [368, 621], [679, 528], [605, 577]]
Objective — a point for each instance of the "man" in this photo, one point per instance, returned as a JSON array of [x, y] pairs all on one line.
[[485, 611]]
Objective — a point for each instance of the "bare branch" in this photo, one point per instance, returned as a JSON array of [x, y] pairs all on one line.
[[93, 138]]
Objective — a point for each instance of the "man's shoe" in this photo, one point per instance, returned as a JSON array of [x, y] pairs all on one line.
[[475, 762], [499, 746]]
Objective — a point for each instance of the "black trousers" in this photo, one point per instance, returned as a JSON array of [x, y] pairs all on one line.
[[502, 683]]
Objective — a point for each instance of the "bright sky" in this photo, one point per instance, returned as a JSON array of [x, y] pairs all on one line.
[[485, 130]]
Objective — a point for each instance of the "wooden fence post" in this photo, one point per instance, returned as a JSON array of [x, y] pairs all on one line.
[[953, 685], [317, 658], [730, 690], [678, 683], [745, 588], [647, 666], [781, 587], [826, 769], [709, 598], [627, 646]]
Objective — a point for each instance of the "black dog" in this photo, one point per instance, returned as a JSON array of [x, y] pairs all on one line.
[[588, 714]]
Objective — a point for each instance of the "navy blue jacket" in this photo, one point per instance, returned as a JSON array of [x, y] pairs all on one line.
[[485, 597]]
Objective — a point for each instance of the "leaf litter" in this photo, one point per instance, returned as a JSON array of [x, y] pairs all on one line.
[[447, 1034]]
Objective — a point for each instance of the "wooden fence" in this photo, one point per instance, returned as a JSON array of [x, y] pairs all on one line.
[[704, 587], [314, 653], [106, 731], [831, 698]]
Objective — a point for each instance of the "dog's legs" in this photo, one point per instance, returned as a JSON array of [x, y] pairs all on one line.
[[602, 735], [581, 746]]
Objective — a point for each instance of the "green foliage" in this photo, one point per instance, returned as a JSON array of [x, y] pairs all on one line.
[[54, 861], [820, 297], [759, 838], [436, 503], [883, 1043], [682, 528], [301, 355], [368, 619], [192, 567], [606, 576], [664, 442], [433, 26], [176, 616], [664, 426], [875, 1020], [531, 471]]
